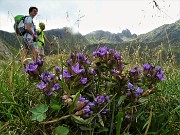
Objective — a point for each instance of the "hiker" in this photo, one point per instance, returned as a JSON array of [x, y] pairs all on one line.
[[30, 35], [41, 38]]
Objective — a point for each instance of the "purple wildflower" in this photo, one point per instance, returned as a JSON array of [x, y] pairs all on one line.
[[83, 80], [136, 69], [49, 92], [95, 53], [139, 91], [83, 99], [132, 70], [57, 69], [41, 86], [130, 86], [69, 62], [56, 86], [99, 99], [158, 69], [66, 74], [115, 71], [102, 51], [91, 104], [160, 75], [39, 61], [86, 60], [76, 69], [31, 67], [47, 77], [107, 98], [79, 55], [105, 111], [92, 72], [146, 66], [86, 109], [117, 55]]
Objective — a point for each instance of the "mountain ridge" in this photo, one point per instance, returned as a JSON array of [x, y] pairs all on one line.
[[65, 39]]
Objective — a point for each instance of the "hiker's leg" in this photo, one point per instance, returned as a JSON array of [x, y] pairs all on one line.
[[34, 50], [35, 54], [41, 51]]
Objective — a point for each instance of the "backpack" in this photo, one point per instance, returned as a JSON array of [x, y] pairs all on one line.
[[19, 25]]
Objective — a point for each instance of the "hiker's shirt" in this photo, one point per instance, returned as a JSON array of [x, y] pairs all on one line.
[[40, 37], [29, 20]]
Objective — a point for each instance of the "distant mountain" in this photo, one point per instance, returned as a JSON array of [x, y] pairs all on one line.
[[168, 33], [8, 45], [5, 52], [65, 39], [101, 36]]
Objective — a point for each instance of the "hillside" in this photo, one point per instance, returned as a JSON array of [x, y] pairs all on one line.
[[5, 52], [168, 33], [66, 40]]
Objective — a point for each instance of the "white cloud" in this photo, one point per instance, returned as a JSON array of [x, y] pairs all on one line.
[[137, 15]]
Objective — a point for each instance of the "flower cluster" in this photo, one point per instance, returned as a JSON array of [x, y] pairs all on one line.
[[100, 102], [132, 90], [105, 74], [48, 84], [110, 58], [76, 70], [85, 108], [152, 71], [34, 68]]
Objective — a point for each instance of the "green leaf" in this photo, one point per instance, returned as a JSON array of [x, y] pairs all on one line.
[[103, 129], [119, 122], [1, 123], [55, 105], [38, 113], [64, 86], [42, 108], [78, 119], [60, 130], [101, 121], [39, 117], [74, 103], [121, 99], [85, 128]]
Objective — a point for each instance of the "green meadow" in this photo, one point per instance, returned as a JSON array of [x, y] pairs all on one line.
[[27, 109]]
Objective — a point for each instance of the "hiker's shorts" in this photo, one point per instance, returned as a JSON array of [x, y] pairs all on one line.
[[29, 44], [40, 50]]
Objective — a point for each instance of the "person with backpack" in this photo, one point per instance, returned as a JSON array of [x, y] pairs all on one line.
[[41, 39], [30, 35]]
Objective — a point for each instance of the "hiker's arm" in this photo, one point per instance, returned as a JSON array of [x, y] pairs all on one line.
[[47, 40], [28, 25]]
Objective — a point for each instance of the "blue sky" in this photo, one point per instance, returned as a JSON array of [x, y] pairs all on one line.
[[139, 16]]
